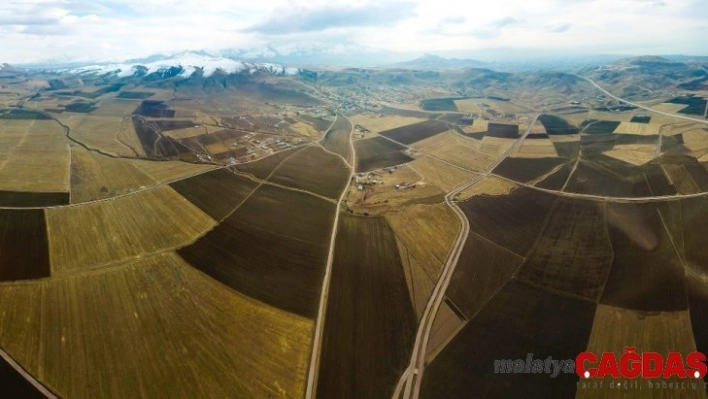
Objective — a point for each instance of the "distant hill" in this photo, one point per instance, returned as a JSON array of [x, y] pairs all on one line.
[[642, 77], [430, 61]]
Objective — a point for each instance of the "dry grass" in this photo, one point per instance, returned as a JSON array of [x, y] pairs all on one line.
[[428, 233], [306, 130], [459, 150], [111, 134], [152, 328], [636, 154], [95, 176], [377, 123], [116, 107], [446, 177], [192, 131], [445, 326], [37, 157], [490, 185], [478, 126], [95, 235], [469, 105], [170, 171], [662, 332], [642, 129], [537, 148], [696, 140], [420, 285], [668, 107]]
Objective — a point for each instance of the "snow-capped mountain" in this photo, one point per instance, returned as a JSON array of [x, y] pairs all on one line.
[[185, 65]]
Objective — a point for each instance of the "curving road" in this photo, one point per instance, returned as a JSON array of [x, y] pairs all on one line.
[[413, 376]]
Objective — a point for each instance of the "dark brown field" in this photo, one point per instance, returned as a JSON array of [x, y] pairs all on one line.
[[264, 167], [567, 149], [410, 134], [503, 130], [520, 319], [217, 193], [313, 169], [482, 270], [647, 273], [694, 220], [378, 153], [337, 139], [526, 169], [556, 180], [658, 183], [24, 248], [573, 253], [14, 385], [156, 145], [273, 249], [513, 221], [370, 323], [27, 199], [608, 177], [154, 109]]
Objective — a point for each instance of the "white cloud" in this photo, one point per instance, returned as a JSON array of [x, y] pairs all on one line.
[[32, 30]]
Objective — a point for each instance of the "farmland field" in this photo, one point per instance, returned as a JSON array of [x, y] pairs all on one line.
[[525, 170], [556, 125], [14, 384], [313, 169], [513, 221], [377, 153], [573, 253], [262, 168], [24, 250], [458, 150], [273, 248], [217, 192], [645, 259], [441, 104], [169, 171], [557, 179], [153, 327], [95, 176], [37, 149], [440, 174], [519, 319], [114, 135], [380, 123], [367, 341], [410, 134], [337, 139], [489, 185], [94, 235]]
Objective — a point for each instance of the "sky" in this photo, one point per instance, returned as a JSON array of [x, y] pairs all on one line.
[[116, 30]]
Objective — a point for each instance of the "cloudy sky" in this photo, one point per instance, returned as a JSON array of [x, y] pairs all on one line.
[[35, 30]]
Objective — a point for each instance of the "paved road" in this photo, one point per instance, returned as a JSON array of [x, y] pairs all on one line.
[[311, 390], [414, 373]]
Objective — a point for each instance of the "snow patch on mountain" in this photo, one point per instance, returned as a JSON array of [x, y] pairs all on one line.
[[189, 64]]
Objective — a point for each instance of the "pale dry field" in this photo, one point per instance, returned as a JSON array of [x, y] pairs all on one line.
[[668, 107], [478, 126], [636, 154], [305, 129], [170, 171], [642, 129], [117, 230], [428, 233], [420, 284], [468, 105], [445, 327], [536, 148], [662, 332], [111, 134], [378, 124], [440, 174], [116, 107], [490, 185], [36, 157], [155, 327], [696, 140], [461, 151]]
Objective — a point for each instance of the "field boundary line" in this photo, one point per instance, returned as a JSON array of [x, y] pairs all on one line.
[[313, 372], [27, 376]]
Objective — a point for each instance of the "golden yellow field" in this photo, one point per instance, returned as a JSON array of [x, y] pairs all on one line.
[[478, 126], [668, 107], [116, 230], [115, 107], [696, 140], [536, 148], [662, 332], [468, 105], [192, 131], [636, 154], [679, 177], [36, 157], [638, 128], [490, 185], [111, 134], [95, 176], [446, 325], [306, 130], [152, 328], [420, 285], [459, 150], [378, 123], [427, 232], [440, 174], [170, 171]]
